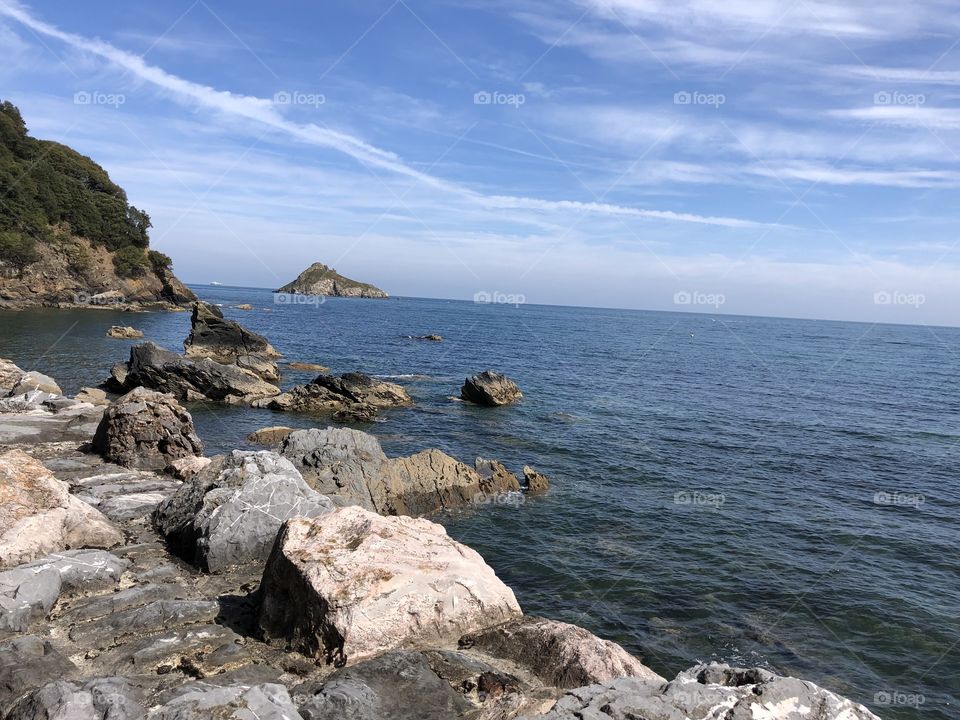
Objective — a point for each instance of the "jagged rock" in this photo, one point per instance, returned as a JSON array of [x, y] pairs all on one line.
[[431, 338], [330, 393], [153, 367], [318, 279], [94, 396], [153, 617], [491, 389], [537, 482], [186, 467], [146, 429], [705, 692], [34, 380], [354, 584], [399, 685], [10, 374], [121, 332], [225, 341], [308, 367], [272, 435], [230, 512], [38, 515], [102, 698], [201, 650], [28, 662], [359, 413], [496, 475], [235, 702], [561, 655]]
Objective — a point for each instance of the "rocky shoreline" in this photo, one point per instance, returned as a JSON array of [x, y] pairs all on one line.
[[141, 579]]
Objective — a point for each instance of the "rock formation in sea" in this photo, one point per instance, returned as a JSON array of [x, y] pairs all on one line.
[[68, 236], [490, 388], [319, 279], [258, 588], [123, 332]]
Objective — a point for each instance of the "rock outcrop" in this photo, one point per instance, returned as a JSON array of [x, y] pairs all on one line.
[[318, 279], [33, 380], [491, 389], [146, 429], [124, 332], [354, 392], [706, 692], [351, 468], [225, 341], [202, 379], [273, 435], [536, 482], [38, 515], [229, 513], [355, 584], [10, 375]]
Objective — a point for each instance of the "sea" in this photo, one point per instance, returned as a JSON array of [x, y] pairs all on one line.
[[757, 491]]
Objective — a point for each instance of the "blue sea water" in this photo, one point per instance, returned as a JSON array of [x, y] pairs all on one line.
[[752, 490]]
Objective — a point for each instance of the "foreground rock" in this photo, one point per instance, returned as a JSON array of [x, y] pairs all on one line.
[[707, 692], [146, 429], [229, 513], [202, 379], [332, 393], [356, 584], [318, 279], [38, 515], [33, 380], [41, 417], [491, 389], [10, 374], [123, 332], [225, 341], [351, 468]]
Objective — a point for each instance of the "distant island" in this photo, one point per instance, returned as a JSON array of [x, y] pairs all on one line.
[[319, 279], [68, 236]]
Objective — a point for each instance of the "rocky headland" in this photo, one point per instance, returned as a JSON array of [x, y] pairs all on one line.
[[319, 279], [141, 580]]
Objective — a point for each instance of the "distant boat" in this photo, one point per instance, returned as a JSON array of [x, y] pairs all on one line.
[[214, 282]]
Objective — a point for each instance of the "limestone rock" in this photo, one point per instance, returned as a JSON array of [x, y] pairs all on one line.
[[186, 467], [146, 429], [273, 435], [124, 332], [490, 388], [230, 512], [34, 380], [560, 654], [10, 375], [94, 396], [106, 698], [329, 393], [267, 701], [537, 482], [38, 515], [28, 662], [354, 584]]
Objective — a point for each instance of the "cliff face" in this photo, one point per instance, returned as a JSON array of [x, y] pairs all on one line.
[[68, 235], [319, 279]]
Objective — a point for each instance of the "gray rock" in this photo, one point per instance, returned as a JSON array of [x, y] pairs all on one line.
[[153, 617], [146, 429], [490, 388], [199, 650], [25, 594], [399, 685], [705, 692], [239, 702], [230, 512], [28, 662], [332, 393], [90, 608], [94, 396], [100, 699], [225, 341], [34, 380], [82, 570], [10, 375]]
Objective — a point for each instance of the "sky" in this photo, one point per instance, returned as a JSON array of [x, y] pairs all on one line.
[[797, 158]]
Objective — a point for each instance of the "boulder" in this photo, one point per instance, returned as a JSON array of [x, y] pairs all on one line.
[[272, 435], [706, 692], [329, 393], [537, 482], [122, 332], [561, 655], [34, 380], [38, 515], [229, 513], [146, 429], [158, 369], [94, 396], [491, 389], [225, 341], [354, 584], [268, 701], [106, 698], [186, 467], [10, 375], [28, 662]]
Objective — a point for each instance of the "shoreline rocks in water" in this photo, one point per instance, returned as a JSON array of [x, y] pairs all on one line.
[[273, 435], [225, 341], [355, 392], [123, 332], [318, 279], [308, 367], [491, 389]]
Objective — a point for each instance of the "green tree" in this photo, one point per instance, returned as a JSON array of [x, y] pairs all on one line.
[[18, 250], [130, 261]]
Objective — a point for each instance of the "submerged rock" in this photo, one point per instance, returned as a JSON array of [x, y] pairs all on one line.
[[146, 429], [38, 515], [229, 513], [355, 584], [123, 332], [332, 393], [308, 367], [490, 388]]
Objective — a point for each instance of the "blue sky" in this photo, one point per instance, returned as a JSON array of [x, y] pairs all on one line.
[[786, 158]]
